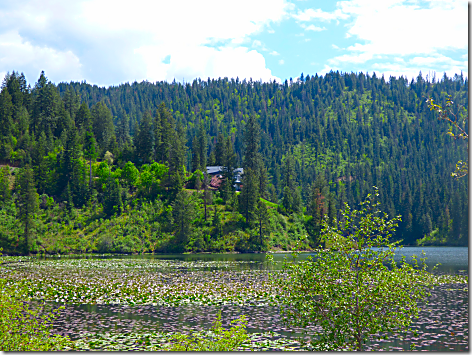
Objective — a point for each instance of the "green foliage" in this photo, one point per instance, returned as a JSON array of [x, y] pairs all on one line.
[[112, 202], [4, 184], [354, 288], [23, 328], [249, 195], [459, 121], [356, 130], [218, 338], [28, 205], [183, 211], [130, 174]]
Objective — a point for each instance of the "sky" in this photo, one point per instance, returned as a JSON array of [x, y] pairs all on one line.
[[109, 42]]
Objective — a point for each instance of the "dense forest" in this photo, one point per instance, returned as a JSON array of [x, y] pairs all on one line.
[[119, 169]]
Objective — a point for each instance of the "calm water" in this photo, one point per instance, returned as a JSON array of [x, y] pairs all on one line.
[[451, 259], [443, 325]]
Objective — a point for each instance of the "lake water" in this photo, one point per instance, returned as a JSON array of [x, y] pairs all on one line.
[[451, 259], [442, 325]]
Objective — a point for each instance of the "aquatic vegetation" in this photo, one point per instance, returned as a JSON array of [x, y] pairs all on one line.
[[141, 304], [157, 282], [25, 329], [217, 339]]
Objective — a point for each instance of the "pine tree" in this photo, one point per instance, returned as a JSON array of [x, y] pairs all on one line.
[[196, 165], [183, 212], [70, 165], [203, 143], [4, 184], [103, 128], [122, 132], [40, 164], [228, 161], [262, 218], [28, 205], [90, 151], [249, 195], [46, 107], [6, 123], [112, 198], [144, 140], [177, 160], [252, 145], [83, 118], [71, 102], [219, 150]]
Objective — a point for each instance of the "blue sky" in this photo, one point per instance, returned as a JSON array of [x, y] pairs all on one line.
[[108, 42]]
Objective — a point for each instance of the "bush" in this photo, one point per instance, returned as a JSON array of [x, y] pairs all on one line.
[[24, 329], [217, 339], [355, 288]]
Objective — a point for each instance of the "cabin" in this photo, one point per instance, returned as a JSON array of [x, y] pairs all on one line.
[[216, 173]]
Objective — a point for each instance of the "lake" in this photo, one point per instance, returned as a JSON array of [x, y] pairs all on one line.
[[115, 299]]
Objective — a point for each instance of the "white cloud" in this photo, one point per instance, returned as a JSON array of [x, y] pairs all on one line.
[[334, 46], [315, 28], [281, 62], [318, 14], [17, 53], [439, 64], [396, 29], [118, 41], [274, 53], [257, 43], [391, 27], [207, 62]]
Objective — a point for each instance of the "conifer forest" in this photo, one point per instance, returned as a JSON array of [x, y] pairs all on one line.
[[123, 169]]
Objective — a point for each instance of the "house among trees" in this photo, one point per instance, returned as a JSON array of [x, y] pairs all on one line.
[[216, 173]]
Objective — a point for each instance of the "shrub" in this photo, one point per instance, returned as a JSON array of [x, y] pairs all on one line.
[[25, 329], [355, 288], [217, 339]]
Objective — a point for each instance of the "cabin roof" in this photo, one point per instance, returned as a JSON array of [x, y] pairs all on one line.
[[219, 169]]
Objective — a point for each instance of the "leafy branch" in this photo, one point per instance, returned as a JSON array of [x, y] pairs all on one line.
[[459, 121]]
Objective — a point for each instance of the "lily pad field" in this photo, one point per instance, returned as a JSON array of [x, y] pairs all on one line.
[[118, 302]]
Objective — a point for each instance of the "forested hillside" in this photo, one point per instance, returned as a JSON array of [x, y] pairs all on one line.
[[96, 156]]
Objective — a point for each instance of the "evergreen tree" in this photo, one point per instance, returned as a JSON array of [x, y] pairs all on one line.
[[249, 195], [183, 212], [262, 218], [71, 103], [177, 160], [6, 123], [28, 204], [112, 202], [4, 184], [122, 130], [206, 193], [83, 118], [196, 165], [144, 140], [219, 150], [203, 142], [39, 164], [228, 161], [90, 151], [252, 145], [103, 128]]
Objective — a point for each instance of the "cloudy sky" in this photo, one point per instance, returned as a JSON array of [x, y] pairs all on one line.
[[108, 42]]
